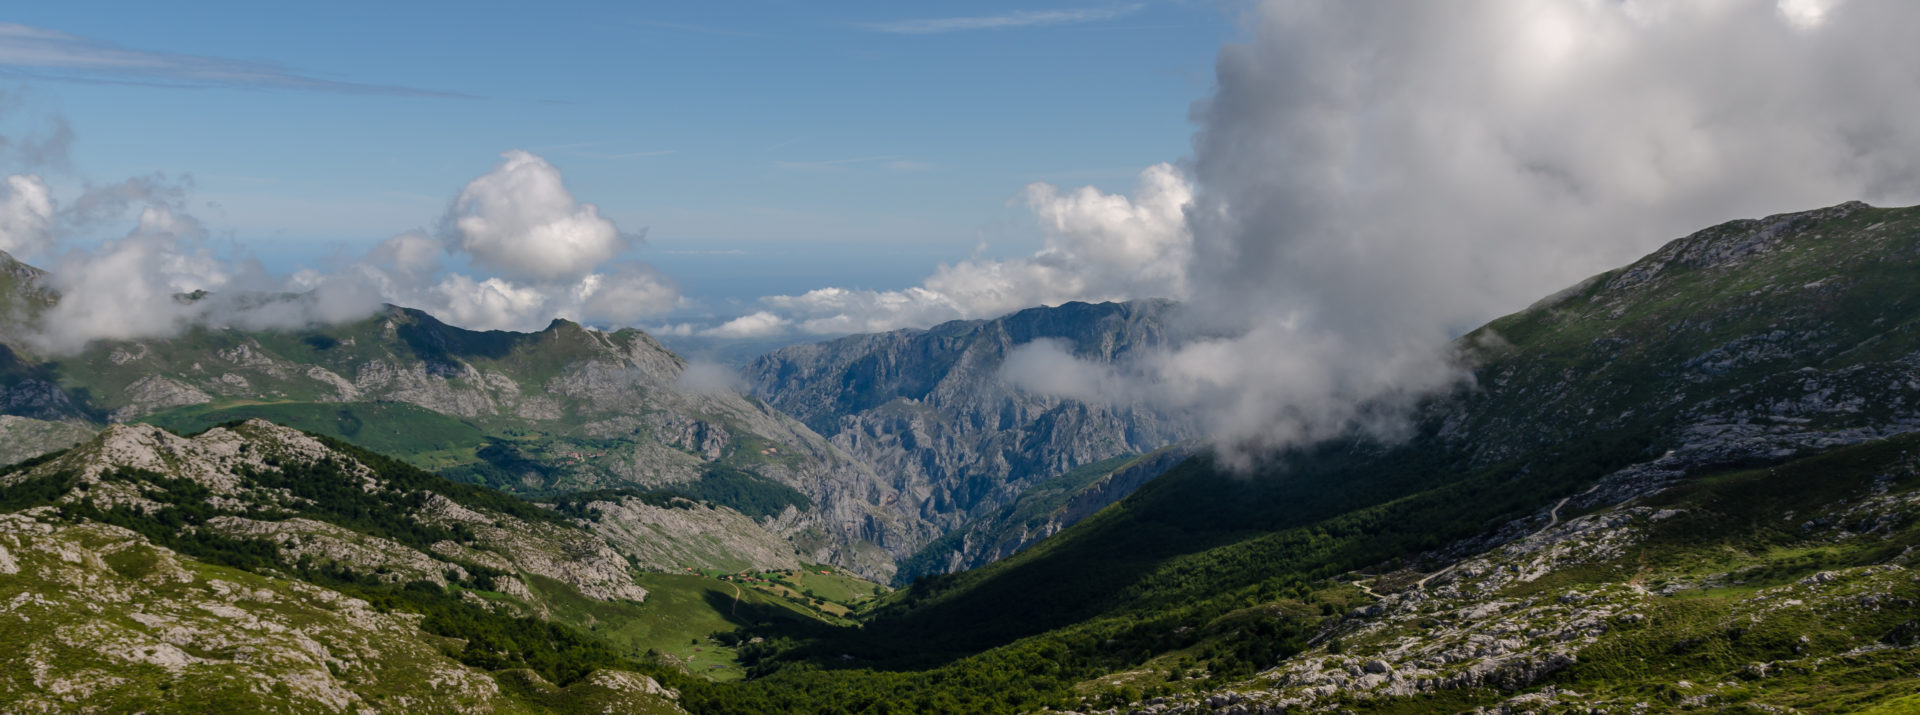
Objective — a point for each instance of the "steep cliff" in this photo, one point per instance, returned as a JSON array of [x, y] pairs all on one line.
[[930, 409]]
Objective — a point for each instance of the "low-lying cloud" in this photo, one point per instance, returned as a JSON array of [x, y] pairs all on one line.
[[753, 325], [533, 253], [26, 215], [708, 378], [164, 277]]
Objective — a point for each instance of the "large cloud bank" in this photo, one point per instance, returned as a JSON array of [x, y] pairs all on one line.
[[1372, 178], [532, 253]]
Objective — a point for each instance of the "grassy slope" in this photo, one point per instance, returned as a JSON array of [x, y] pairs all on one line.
[[681, 615], [421, 437]]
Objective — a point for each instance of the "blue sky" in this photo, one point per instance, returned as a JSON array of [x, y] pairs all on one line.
[[765, 147]]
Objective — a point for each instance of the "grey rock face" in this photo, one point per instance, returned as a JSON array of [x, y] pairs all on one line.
[[154, 393], [1028, 519], [687, 534], [38, 399], [929, 409], [21, 437]]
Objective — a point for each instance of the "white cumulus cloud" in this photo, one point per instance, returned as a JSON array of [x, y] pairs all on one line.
[[1098, 247], [521, 221], [755, 325]]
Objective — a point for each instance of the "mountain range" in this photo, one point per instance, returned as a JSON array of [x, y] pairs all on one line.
[[1684, 484]]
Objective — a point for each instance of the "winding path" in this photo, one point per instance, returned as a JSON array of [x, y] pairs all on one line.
[[1553, 519], [1554, 515]]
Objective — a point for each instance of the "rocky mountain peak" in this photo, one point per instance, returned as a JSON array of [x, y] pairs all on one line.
[[1731, 244], [13, 267], [23, 290], [214, 459]]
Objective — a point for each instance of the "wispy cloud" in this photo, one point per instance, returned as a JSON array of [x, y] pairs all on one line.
[[38, 53], [622, 155], [1018, 18], [242, 179], [890, 161], [712, 252], [1088, 174], [582, 150], [690, 27]]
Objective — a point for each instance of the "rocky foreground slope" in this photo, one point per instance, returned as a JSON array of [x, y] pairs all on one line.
[[146, 570], [102, 620], [326, 507]]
